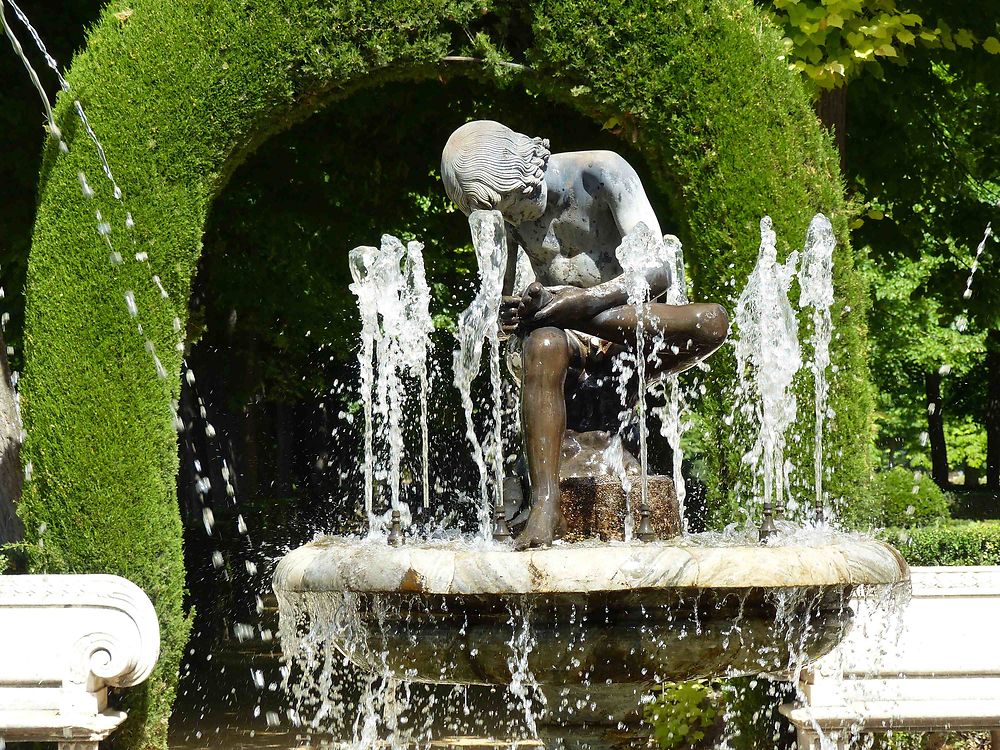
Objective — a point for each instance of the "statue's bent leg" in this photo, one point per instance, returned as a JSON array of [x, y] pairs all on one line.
[[676, 336], [545, 355]]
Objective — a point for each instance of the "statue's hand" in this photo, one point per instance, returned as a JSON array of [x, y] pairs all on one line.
[[555, 307]]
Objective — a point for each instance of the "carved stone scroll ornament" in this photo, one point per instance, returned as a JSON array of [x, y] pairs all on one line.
[[67, 639]]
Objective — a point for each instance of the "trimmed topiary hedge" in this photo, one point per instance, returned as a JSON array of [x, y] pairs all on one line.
[[179, 92], [957, 543]]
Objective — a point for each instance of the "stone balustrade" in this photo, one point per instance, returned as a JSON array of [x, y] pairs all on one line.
[[65, 640], [933, 666]]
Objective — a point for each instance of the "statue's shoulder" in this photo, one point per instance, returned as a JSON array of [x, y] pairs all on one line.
[[598, 163]]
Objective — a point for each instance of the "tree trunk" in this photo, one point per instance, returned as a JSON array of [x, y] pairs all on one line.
[[993, 409], [935, 429], [831, 108], [11, 472]]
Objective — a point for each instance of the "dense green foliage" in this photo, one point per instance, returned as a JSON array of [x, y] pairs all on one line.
[[740, 713], [931, 189], [898, 497], [958, 543]]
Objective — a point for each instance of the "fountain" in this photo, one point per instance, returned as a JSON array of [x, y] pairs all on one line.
[[577, 625], [572, 626]]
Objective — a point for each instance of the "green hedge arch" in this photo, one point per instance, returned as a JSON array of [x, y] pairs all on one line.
[[180, 91]]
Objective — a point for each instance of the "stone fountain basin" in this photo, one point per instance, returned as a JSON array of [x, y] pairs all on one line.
[[583, 613]]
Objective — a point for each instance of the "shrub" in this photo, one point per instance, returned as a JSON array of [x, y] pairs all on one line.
[[957, 543], [898, 497], [740, 713], [681, 714]]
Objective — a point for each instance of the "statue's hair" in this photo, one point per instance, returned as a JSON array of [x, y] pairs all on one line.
[[484, 160]]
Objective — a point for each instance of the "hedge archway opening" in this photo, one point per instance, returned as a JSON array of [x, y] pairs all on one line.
[[181, 93]]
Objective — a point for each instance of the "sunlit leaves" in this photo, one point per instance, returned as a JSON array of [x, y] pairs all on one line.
[[832, 41]]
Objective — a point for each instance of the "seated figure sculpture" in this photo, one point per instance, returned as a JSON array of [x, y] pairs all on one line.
[[569, 213]]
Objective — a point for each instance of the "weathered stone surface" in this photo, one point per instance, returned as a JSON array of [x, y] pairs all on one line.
[[483, 568], [594, 507], [66, 639]]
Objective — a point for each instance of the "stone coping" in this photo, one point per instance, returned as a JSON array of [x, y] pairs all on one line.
[[336, 564]]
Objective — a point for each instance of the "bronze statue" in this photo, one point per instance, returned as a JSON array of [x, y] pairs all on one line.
[[569, 212]]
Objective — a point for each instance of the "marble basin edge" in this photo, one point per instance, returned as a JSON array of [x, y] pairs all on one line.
[[368, 567]]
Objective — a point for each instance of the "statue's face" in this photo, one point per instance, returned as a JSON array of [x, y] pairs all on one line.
[[517, 207]]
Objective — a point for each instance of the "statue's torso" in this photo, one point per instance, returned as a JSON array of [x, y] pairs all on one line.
[[574, 242]]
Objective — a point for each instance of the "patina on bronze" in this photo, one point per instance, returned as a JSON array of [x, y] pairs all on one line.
[[569, 212]]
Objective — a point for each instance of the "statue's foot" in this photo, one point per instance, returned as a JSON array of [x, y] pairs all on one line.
[[545, 524]]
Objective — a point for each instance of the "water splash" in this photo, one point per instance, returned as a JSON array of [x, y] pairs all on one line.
[[767, 359], [476, 324], [523, 685], [816, 284]]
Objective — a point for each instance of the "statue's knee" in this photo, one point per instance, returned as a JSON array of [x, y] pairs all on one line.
[[713, 326], [547, 344]]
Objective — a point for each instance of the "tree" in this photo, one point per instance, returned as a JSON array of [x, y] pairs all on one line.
[[919, 157], [834, 41]]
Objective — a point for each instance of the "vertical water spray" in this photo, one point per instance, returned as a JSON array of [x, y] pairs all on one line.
[[477, 323], [672, 426], [816, 285], [767, 358], [639, 254], [361, 260], [417, 344], [393, 300]]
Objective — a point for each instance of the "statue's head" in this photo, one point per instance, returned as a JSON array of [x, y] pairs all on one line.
[[486, 165]]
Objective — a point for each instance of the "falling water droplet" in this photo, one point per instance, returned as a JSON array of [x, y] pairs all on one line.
[[84, 186]]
